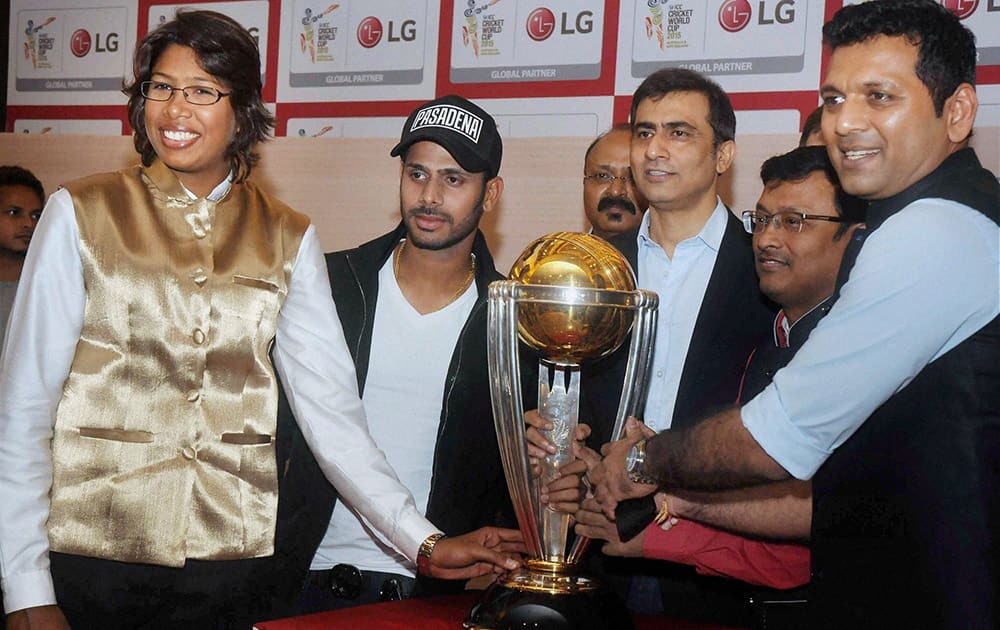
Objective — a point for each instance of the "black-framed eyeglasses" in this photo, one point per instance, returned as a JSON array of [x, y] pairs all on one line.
[[194, 94], [755, 222], [607, 179]]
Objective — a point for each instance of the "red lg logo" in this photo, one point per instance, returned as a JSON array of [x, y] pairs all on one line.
[[961, 8], [541, 24], [79, 42], [370, 32], [734, 15]]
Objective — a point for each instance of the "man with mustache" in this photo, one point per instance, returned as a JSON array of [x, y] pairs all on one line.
[[413, 306], [611, 201]]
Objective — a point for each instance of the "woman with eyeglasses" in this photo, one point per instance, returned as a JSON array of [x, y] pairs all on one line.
[[139, 463]]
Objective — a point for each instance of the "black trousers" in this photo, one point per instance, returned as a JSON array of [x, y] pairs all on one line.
[[202, 595]]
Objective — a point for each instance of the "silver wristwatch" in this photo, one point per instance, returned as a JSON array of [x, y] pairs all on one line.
[[635, 464]]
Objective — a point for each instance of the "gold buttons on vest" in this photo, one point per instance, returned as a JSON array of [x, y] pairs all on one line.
[[199, 277], [189, 453], [198, 336]]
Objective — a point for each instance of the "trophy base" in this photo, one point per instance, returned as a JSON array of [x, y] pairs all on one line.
[[548, 596]]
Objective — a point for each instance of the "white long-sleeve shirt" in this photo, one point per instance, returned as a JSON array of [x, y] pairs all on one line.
[[310, 354]]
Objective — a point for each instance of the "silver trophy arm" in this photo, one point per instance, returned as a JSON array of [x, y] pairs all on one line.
[[640, 359], [508, 409]]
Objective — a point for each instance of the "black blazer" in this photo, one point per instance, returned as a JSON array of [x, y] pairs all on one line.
[[734, 317]]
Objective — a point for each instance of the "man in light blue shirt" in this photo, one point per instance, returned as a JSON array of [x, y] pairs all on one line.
[[892, 406], [693, 252]]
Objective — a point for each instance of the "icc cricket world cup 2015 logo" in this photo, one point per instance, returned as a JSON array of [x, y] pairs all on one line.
[[307, 38], [31, 36], [470, 30]]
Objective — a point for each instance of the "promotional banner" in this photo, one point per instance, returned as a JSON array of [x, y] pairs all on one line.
[[357, 67], [357, 50], [65, 55], [520, 40], [745, 47]]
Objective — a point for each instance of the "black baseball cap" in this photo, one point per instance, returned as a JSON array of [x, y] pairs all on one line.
[[463, 128]]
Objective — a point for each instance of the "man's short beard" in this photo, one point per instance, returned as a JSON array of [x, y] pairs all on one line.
[[468, 226]]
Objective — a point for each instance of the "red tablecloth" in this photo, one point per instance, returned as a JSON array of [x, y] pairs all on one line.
[[430, 613]]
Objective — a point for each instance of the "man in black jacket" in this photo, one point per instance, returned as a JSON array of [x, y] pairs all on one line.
[[413, 306]]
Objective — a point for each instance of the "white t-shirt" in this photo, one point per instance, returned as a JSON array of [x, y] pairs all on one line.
[[404, 389]]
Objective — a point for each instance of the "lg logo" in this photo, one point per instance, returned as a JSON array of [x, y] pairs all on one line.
[[370, 31], [961, 8], [542, 23], [80, 42], [734, 15]]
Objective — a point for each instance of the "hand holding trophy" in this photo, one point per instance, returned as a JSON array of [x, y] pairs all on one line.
[[572, 298]]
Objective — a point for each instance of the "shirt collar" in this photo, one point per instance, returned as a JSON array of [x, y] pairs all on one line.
[[710, 235], [218, 193], [783, 328]]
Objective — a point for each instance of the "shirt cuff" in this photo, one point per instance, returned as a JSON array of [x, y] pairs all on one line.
[[413, 529], [765, 418], [27, 590]]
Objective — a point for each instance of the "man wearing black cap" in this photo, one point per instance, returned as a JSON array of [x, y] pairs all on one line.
[[413, 306]]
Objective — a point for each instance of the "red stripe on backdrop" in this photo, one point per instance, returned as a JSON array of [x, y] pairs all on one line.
[[832, 6], [987, 75]]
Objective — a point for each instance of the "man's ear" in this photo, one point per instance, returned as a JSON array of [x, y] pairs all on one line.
[[725, 153], [494, 188], [960, 113]]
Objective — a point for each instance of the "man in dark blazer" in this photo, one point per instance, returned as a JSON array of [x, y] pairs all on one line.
[[695, 254]]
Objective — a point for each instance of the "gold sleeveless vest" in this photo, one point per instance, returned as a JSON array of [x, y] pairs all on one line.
[[164, 440]]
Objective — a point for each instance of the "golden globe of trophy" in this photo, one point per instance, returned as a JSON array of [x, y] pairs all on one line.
[[572, 298]]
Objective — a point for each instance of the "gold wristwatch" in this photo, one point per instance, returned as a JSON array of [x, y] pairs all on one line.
[[424, 553]]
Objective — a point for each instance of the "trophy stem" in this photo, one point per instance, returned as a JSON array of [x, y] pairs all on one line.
[[559, 403]]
